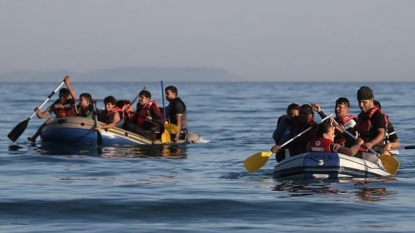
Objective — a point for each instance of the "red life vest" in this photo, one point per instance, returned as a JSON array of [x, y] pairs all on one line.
[[340, 138], [64, 110], [108, 115], [344, 120], [320, 144], [144, 112], [363, 125]]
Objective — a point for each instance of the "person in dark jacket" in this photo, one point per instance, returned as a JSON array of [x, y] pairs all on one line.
[[176, 113]]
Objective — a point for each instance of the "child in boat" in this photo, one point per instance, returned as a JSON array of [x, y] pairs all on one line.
[[324, 140], [62, 107], [112, 115]]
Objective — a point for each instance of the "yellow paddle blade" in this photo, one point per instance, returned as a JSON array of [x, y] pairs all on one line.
[[254, 162], [390, 163], [165, 137], [171, 128]]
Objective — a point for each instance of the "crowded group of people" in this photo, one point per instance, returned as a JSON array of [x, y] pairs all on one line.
[[371, 131], [146, 120]]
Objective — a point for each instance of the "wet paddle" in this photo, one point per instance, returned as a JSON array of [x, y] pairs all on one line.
[[165, 136], [21, 127], [99, 136], [254, 162], [390, 163]]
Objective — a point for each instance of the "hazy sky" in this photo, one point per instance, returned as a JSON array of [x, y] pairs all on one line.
[[272, 40]]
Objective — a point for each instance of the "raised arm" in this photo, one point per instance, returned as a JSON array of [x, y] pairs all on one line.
[[67, 81]]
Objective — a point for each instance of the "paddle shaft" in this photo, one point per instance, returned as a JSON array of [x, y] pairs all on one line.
[[96, 114], [351, 135], [99, 136], [46, 100], [162, 100], [305, 131], [165, 136], [21, 127], [138, 95]]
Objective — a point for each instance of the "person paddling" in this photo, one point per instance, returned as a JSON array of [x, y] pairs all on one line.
[[62, 107], [371, 125], [283, 122], [304, 120]]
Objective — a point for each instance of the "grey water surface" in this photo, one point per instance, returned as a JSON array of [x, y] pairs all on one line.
[[196, 187]]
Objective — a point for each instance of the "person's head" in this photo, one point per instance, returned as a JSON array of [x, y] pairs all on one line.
[[377, 104], [306, 114], [342, 107], [293, 110], [110, 102], [365, 98], [325, 130], [64, 95], [171, 93], [124, 104], [85, 100], [144, 97]]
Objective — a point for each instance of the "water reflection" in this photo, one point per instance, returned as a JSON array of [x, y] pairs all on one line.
[[145, 151], [365, 190], [136, 151]]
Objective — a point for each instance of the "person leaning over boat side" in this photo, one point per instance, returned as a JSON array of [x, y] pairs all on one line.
[[112, 115], [304, 120], [371, 124], [343, 118], [324, 140], [176, 113], [391, 140], [86, 107], [283, 123], [147, 118], [62, 107]]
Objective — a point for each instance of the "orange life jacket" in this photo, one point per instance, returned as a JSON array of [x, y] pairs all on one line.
[[108, 115], [64, 110], [144, 112], [320, 144]]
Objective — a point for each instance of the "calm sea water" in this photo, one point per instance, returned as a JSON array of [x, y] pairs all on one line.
[[198, 187]]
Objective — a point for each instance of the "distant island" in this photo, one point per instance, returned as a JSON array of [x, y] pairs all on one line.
[[127, 74]]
